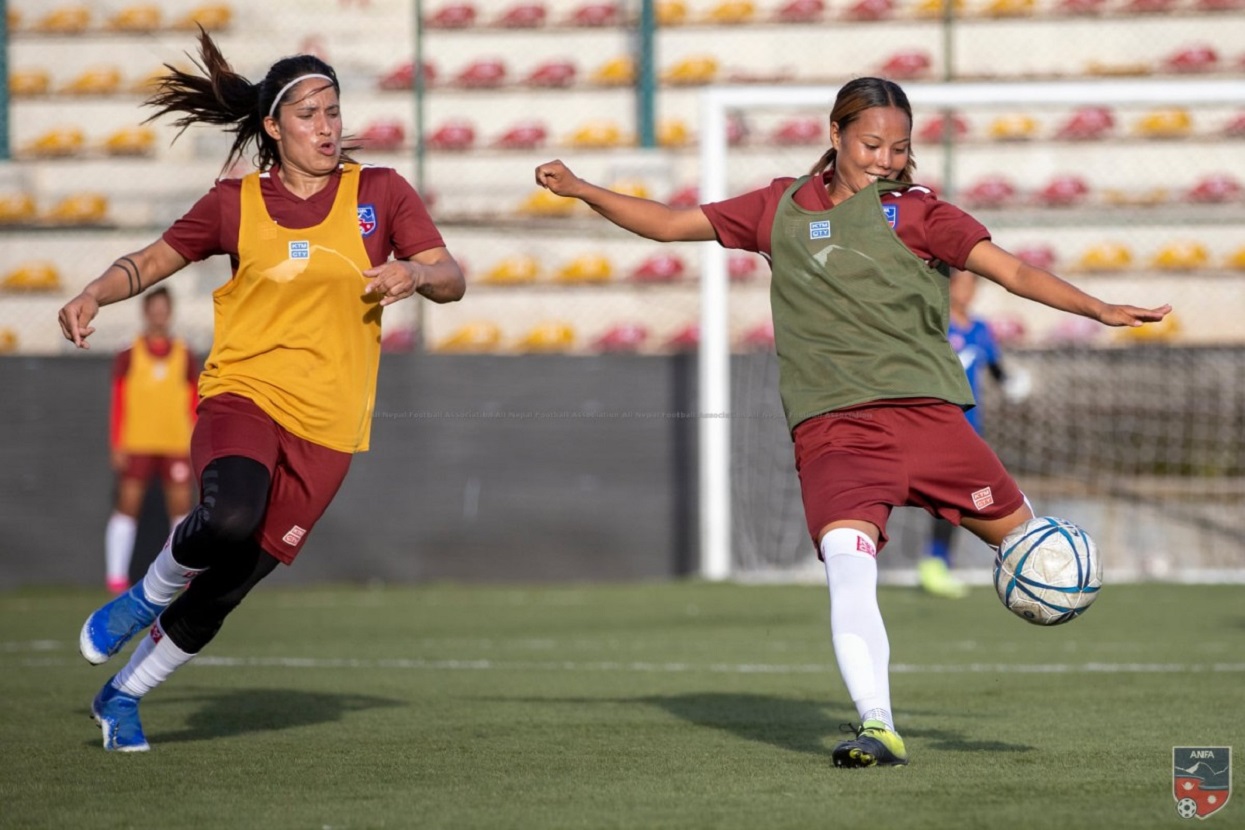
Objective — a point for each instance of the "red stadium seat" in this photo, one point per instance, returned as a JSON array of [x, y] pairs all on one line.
[[403, 77], [907, 65], [759, 338], [1082, 7], [1087, 123], [399, 340], [742, 267], [989, 192], [935, 129], [1039, 256], [1191, 59], [523, 15], [482, 73], [1219, 5], [736, 129], [552, 74], [593, 14], [623, 338], [660, 267], [1215, 189], [385, 135], [799, 131], [685, 339], [525, 135], [452, 16], [1235, 128], [1064, 191], [685, 197], [455, 134], [1149, 6], [870, 10], [800, 11], [1008, 329]]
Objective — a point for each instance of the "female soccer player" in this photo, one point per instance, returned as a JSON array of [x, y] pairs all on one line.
[[154, 394], [872, 391], [288, 388]]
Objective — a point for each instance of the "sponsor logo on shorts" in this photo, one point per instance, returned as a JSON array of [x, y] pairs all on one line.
[[819, 230], [367, 219], [294, 535], [983, 498], [300, 249], [865, 546], [891, 212]]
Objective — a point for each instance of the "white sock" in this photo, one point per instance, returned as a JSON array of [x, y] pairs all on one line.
[[151, 664], [165, 577], [856, 627], [119, 545]]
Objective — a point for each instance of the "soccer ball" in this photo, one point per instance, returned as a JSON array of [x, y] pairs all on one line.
[[1047, 571]]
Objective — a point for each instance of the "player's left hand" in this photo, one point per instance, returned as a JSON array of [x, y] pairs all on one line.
[[393, 281], [1131, 315]]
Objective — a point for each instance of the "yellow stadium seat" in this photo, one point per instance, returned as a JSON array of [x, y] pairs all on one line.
[[33, 277], [597, 134], [615, 72], [69, 20], [671, 12], [937, 8], [479, 336], [1013, 128], [587, 268], [1237, 259], [212, 16], [1107, 256], [16, 207], [1164, 331], [13, 19], [1170, 123], [80, 209], [673, 132], [1009, 8], [131, 141], [631, 187], [1182, 256], [8, 341], [548, 337], [29, 82], [98, 80], [692, 71], [140, 17], [543, 203], [57, 142], [513, 270], [732, 12]]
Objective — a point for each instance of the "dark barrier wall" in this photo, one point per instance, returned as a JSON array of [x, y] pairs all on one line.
[[486, 468]]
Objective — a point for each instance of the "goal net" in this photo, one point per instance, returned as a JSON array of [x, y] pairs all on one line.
[[1138, 436]]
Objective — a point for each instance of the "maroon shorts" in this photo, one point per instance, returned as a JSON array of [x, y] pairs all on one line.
[[860, 463], [305, 475], [172, 469]]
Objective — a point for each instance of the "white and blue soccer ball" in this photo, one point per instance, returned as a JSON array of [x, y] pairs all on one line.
[[1047, 571]]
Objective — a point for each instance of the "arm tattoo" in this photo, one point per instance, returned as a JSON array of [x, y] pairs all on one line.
[[131, 272]]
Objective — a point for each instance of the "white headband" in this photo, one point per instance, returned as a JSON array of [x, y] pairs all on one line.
[[293, 83]]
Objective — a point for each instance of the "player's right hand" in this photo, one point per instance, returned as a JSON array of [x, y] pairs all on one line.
[[557, 178], [75, 319]]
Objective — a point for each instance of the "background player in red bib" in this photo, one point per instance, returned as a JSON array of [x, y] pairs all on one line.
[[154, 395], [319, 246], [872, 391]]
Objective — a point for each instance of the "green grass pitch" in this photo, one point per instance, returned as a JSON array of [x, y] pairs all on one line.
[[679, 705]]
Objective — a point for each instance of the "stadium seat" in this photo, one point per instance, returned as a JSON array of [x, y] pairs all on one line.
[[1216, 188], [131, 141], [1014, 127], [1149, 6], [80, 209], [1190, 59], [16, 208], [685, 197], [685, 339], [1039, 256], [32, 277], [597, 134], [140, 17], [519, 269], [12, 19], [615, 72], [630, 187], [660, 267], [456, 134], [935, 128], [57, 142], [671, 12], [1181, 256], [479, 336], [554, 74], [596, 14], [1237, 259], [551, 336], [692, 71], [26, 83], [213, 17], [384, 135], [623, 338], [1009, 8], [908, 64], [1081, 7], [1170, 123], [732, 12], [736, 129], [1164, 331], [452, 16], [1074, 330], [742, 267], [402, 77], [870, 10], [98, 80], [759, 338], [586, 268], [937, 8], [525, 135], [9, 343], [482, 73], [523, 15], [1008, 329], [1064, 191], [541, 202], [1235, 128], [800, 11], [399, 340], [989, 192], [64, 21], [1086, 123], [800, 131], [1106, 256], [149, 83], [673, 132], [1219, 5]]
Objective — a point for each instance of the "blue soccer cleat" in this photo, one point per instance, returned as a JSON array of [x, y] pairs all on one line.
[[873, 746], [117, 714], [113, 624]]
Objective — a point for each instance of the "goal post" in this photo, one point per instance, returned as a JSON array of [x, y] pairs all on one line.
[[717, 560]]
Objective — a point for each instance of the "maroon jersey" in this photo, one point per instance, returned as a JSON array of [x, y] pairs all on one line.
[[930, 228], [392, 217]]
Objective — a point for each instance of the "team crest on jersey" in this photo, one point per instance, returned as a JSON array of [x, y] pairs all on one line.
[[891, 212], [819, 230], [367, 219], [300, 249]]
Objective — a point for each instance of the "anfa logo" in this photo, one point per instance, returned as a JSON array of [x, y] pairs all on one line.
[[300, 249], [1201, 779], [367, 219], [819, 230], [891, 212]]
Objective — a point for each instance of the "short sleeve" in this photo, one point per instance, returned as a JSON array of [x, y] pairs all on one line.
[[412, 230]]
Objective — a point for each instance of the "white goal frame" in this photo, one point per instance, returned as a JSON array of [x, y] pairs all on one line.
[[713, 367]]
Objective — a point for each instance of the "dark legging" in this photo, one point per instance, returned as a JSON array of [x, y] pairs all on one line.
[[219, 535]]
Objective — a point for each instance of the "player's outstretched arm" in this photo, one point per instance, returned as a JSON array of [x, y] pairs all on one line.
[[652, 220], [127, 277], [1041, 286]]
